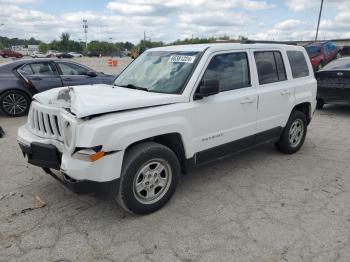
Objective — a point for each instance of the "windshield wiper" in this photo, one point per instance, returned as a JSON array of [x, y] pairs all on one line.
[[131, 86]]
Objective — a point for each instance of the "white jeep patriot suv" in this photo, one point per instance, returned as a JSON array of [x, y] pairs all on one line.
[[171, 109]]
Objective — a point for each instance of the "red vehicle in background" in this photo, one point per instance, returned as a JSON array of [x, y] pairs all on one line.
[[9, 53], [321, 53]]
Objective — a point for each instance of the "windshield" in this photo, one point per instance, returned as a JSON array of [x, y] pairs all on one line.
[[312, 50], [159, 71]]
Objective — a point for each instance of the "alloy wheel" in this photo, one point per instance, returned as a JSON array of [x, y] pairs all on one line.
[[296, 132], [14, 104], [152, 181]]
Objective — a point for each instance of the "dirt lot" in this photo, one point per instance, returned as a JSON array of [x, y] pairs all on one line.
[[257, 206]]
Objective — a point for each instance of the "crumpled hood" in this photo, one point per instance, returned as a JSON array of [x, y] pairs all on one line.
[[98, 99]]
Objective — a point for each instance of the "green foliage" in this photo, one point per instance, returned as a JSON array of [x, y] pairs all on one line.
[[194, 41], [6, 42], [149, 44], [65, 44], [243, 38], [43, 48], [65, 37], [104, 48]]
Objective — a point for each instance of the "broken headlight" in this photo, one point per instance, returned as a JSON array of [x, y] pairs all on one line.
[[89, 154]]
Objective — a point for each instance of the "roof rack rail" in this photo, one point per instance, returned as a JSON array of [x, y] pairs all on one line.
[[267, 42]]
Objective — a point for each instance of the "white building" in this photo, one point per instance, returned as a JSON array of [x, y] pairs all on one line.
[[25, 49]]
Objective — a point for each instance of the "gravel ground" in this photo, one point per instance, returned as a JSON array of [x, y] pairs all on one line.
[[257, 206]]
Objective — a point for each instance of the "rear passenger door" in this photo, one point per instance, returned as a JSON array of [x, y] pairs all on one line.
[[276, 94], [42, 75]]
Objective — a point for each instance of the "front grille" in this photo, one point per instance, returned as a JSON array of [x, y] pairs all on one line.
[[45, 121]]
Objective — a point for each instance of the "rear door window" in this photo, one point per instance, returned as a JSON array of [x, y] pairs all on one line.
[[298, 64], [44, 68], [270, 66]]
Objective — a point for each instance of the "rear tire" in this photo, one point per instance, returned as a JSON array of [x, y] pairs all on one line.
[[149, 178], [320, 104], [14, 103], [293, 135]]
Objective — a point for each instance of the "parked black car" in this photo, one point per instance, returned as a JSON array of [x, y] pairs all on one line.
[[64, 55], [21, 79], [333, 83], [93, 54]]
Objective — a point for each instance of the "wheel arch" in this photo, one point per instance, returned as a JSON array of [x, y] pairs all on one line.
[[305, 108], [173, 141]]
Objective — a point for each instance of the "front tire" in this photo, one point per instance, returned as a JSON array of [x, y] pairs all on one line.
[[149, 178], [14, 103], [293, 135]]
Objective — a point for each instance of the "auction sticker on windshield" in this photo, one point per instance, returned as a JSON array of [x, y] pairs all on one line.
[[182, 59]]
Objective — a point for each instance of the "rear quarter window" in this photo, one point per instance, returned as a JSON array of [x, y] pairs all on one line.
[[298, 64], [270, 66]]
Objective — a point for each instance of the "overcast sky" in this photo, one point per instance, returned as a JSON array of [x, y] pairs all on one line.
[[168, 20]]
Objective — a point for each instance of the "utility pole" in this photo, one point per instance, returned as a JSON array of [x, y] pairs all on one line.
[[319, 19], [85, 26]]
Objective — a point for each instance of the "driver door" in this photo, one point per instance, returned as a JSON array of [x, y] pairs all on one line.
[[226, 122]]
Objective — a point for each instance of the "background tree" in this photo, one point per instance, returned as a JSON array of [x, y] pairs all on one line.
[[43, 48]]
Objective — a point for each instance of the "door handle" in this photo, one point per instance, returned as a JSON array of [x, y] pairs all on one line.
[[68, 79], [247, 100], [285, 92]]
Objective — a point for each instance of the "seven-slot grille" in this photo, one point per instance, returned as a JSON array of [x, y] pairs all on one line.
[[45, 122]]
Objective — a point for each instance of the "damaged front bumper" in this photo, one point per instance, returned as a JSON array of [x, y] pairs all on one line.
[[78, 175]]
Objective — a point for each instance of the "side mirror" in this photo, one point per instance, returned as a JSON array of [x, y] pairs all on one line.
[[91, 73], [207, 88]]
